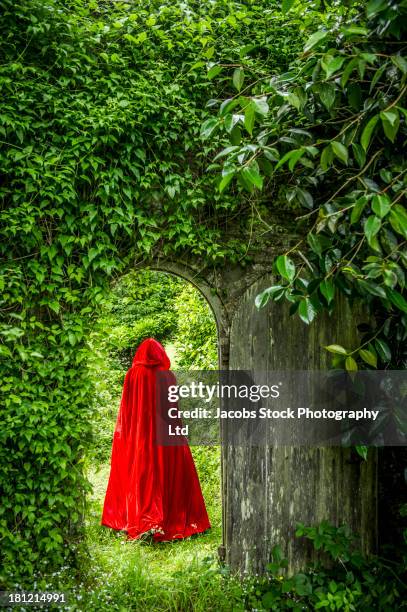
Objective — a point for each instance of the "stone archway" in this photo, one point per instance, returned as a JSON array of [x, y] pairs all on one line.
[[267, 490]]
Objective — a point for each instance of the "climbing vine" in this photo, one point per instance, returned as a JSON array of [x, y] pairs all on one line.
[[102, 165], [328, 135], [104, 162]]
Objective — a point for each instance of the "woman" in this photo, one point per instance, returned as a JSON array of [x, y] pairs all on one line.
[[152, 489]]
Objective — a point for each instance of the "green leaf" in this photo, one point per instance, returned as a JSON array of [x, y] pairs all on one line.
[[285, 267], [230, 121], [252, 176], [350, 364], [397, 299], [372, 288], [327, 93], [340, 151], [331, 64], [354, 31], [292, 157], [376, 6], [314, 40], [371, 227], [359, 154], [362, 451], [368, 131], [327, 288], [225, 180], [349, 68], [214, 71], [381, 205], [208, 127], [225, 152], [390, 121], [306, 311], [263, 297], [383, 350], [315, 243], [358, 209], [398, 219], [249, 117], [238, 78], [337, 349], [286, 5], [400, 62], [368, 357], [260, 105], [327, 157]]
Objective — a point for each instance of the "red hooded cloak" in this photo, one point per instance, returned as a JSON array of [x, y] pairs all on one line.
[[151, 488]]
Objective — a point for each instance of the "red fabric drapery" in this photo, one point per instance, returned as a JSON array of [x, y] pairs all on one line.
[[151, 488]]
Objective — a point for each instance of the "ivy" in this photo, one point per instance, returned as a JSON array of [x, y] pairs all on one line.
[[331, 132], [103, 164]]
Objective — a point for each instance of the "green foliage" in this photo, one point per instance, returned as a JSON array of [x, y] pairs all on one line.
[[349, 582], [102, 166], [141, 305], [328, 134], [144, 304], [196, 343]]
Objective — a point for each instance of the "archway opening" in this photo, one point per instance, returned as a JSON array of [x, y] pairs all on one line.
[[149, 303]]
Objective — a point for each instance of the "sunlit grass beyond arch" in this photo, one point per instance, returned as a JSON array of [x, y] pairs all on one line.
[[164, 576]]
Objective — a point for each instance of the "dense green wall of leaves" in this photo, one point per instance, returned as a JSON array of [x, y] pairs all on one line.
[[102, 164]]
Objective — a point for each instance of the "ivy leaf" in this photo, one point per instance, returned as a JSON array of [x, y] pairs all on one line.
[[314, 40], [285, 267], [371, 228], [238, 78], [306, 311], [340, 151], [381, 205], [368, 131]]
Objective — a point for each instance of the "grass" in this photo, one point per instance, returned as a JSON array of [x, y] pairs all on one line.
[[145, 576]]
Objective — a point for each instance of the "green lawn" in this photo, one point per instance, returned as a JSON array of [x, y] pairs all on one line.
[[134, 575]]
